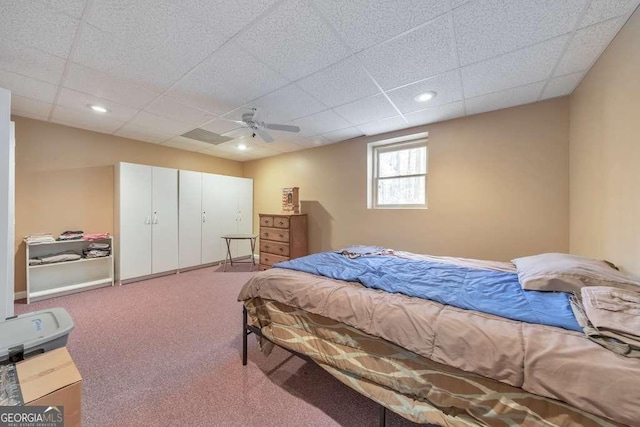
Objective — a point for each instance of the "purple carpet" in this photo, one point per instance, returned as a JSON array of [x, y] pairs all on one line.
[[167, 351]]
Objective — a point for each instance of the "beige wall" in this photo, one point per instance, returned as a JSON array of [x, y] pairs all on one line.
[[498, 188], [605, 155], [64, 178]]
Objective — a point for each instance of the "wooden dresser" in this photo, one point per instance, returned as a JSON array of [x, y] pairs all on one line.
[[282, 237]]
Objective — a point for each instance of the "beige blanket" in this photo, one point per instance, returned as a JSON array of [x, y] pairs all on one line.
[[543, 360], [614, 316]]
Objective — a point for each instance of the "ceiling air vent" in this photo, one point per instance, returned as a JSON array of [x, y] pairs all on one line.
[[206, 136]]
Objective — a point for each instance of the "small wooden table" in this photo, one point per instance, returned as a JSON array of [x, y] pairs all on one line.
[[252, 239]]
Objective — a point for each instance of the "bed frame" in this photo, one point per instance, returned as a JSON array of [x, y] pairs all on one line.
[[248, 329]]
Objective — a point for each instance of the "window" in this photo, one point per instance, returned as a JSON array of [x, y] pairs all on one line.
[[398, 173]]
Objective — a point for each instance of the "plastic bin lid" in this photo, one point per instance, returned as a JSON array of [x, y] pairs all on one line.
[[34, 329]]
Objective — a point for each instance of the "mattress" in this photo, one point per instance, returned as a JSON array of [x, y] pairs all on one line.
[[543, 361]]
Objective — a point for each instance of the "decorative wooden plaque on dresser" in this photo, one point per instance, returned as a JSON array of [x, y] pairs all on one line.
[[282, 237]]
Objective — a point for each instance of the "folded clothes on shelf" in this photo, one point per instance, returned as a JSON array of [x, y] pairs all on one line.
[[96, 253], [54, 258], [97, 236], [99, 246], [39, 238], [71, 235]]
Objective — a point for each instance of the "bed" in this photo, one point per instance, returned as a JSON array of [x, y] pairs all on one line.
[[432, 362]]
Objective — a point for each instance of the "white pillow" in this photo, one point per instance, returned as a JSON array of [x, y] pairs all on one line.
[[568, 273]]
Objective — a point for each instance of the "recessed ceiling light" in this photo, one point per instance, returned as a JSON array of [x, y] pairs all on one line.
[[242, 147], [98, 108], [424, 97]]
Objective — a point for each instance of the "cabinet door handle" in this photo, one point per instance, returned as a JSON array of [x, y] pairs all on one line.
[[204, 217], [155, 218], [148, 220]]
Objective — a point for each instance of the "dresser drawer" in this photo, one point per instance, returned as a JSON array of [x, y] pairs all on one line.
[[280, 222], [274, 247], [270, 259], [279, 235], [266, 221]]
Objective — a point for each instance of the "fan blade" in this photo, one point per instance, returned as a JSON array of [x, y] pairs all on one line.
[[285, 128], [264, 135], [232, 121]]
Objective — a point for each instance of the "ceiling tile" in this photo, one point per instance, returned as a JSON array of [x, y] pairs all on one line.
[[227, 17], [22, 106], [28, 87], [77, 100], [293, 40], [72, 7], [235, 73], [342, 134], [205, 94], [157, 20], [447, 87], [30, 62], [587, 45], [514, 69], [340, 83], [382, 126], [285, 104], [601, 10], [161, 124], [174, 110], [152, 64], [486, 28], [106, 86], [436, 114], [363, 23], [322, 122], [457, 3], [186, 144], [505, 99], [221, 126], [313, 141], [85, 120], [367, 110], [423, 53], [140, 133], [562, 86], [39, 26]]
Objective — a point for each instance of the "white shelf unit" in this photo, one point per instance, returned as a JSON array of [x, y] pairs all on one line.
[[61, 278]]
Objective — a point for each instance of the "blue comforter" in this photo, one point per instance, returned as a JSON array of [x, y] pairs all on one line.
[[488, 291]]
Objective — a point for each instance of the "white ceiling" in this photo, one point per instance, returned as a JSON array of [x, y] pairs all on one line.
[[338, 69]]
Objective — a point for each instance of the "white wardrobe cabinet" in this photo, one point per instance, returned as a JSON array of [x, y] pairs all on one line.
[[147, 217], [210, 207]]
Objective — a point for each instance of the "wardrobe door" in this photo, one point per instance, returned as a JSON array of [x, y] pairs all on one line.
[[218, 198], [164, 218], [135, 182], [244, 195], [191, 219]]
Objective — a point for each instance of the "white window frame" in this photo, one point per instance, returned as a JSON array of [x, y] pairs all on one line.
[[374, 149]]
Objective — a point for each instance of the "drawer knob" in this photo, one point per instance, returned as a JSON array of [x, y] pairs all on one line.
[[281, 249], [266, 247]]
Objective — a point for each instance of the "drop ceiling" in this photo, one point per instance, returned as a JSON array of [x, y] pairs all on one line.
[[338, 69]]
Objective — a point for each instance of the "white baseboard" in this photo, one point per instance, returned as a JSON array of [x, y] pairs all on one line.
[[19, 295]]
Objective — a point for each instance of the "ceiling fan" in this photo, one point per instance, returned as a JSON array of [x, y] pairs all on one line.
[[251, 121]]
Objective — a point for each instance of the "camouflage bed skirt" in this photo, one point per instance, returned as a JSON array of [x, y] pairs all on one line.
[[417, 388]]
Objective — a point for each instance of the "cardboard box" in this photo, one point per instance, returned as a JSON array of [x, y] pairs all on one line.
[[51, 379]]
